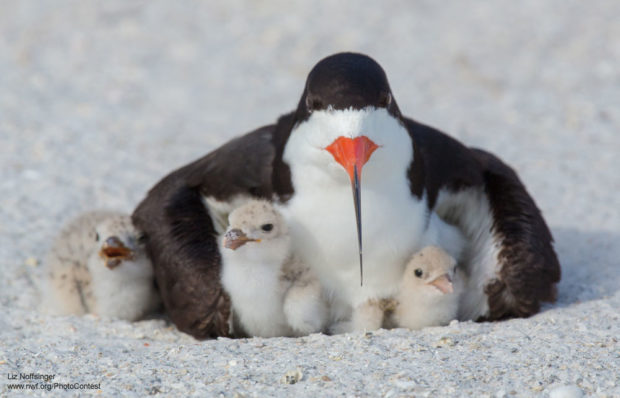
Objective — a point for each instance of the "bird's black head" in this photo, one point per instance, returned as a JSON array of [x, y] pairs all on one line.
[[346, 80]]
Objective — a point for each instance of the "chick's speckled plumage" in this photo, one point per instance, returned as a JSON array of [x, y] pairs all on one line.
[[82, 279]]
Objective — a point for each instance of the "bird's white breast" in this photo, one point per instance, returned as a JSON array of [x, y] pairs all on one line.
[[321, 215]]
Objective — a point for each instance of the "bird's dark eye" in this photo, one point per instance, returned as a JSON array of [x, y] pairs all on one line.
[[266, 227], [386, 100], [97, 237], [313, 104], [418, 272], [142, 239]]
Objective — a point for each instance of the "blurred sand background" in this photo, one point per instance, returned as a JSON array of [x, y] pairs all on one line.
[[99, 100]]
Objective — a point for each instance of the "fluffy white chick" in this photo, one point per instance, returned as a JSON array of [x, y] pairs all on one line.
[[429, 291], [272, 293], [98, 265]]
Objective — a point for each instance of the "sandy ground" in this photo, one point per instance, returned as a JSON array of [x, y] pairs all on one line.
[[98, 100]]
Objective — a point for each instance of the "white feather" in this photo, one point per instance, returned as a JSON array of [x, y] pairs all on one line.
[[471, 211], [125, 292], [251, 276], [219, 210]]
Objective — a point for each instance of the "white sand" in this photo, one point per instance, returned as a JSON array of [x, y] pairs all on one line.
[[99, 101]]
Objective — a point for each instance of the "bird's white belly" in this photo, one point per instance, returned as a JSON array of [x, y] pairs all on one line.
[[324, 233]]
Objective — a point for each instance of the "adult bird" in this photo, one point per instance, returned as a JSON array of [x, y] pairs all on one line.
[[357, 181]]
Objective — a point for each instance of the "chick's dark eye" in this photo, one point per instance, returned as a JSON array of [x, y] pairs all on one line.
[[267, 227], [141, 239], [418, 272]]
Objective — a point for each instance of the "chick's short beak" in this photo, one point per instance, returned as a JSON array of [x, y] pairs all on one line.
[[235, 238], [114, 252], [443, 283]]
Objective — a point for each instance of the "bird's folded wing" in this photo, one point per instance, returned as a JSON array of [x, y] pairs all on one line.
[[528, 266], [180, 234], [512, 253]]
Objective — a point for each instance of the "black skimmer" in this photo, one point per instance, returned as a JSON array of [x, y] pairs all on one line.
[[412, 185]]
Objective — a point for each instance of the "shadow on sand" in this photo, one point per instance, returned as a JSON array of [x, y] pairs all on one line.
[[590, 263]]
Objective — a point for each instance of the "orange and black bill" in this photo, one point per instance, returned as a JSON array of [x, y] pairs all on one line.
[[352, 154]]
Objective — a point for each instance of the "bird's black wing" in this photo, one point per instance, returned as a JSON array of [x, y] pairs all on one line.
[[181, 238], [526, 267]]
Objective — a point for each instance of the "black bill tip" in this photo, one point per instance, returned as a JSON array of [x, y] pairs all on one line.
[[357, 201]]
